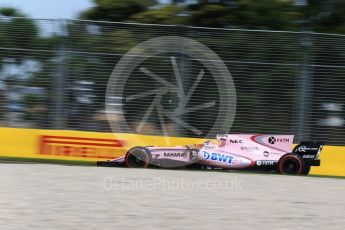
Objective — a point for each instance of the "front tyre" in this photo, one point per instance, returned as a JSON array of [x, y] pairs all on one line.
[[138, 157], [291, 164]]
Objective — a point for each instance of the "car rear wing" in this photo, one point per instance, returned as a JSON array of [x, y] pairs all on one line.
[[309, 149]]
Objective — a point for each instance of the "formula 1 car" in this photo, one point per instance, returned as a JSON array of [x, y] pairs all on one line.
[[233, 151]]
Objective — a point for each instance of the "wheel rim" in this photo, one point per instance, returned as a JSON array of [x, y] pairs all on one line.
[[291, 166], [137, 159]]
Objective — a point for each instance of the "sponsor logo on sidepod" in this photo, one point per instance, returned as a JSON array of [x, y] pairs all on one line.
[[264, 163], [217, 157], [249, 148], [236, 141], [175, 155], [273, 140]]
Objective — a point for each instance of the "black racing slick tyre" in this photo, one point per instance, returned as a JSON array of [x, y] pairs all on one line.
[[138, 157], [291, 164], [306, 170]]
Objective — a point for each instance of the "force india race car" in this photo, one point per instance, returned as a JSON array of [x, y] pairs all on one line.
[[233, 151]]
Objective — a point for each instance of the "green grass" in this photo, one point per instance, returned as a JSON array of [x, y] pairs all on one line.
[[47, 161]]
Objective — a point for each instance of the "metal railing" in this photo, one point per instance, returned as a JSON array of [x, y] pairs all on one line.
[[54, 75]]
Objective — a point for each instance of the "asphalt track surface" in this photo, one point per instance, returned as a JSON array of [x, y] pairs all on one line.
[[45, 196]]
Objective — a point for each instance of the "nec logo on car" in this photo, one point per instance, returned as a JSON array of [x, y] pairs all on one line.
[[217, 157], [236, 141], [273, 140]]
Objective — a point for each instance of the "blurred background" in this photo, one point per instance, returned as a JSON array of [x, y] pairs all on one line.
[[287, 59]]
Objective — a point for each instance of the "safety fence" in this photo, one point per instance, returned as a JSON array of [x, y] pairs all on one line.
[[54, 75]]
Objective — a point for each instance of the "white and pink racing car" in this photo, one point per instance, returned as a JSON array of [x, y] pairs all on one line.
[[229, 151]]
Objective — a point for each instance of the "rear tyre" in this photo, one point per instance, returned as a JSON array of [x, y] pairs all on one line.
[[291, 164], [306, 170], [138, 157]]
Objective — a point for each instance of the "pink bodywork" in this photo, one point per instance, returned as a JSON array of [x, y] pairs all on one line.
[[246, 150], [231, 151]]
